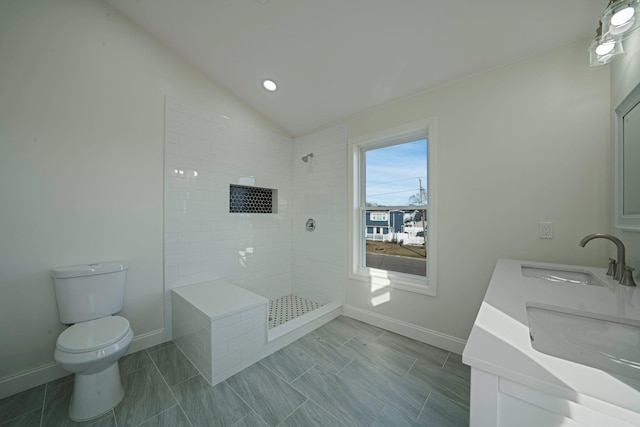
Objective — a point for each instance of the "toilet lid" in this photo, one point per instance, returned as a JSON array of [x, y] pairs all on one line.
[[94, 334]]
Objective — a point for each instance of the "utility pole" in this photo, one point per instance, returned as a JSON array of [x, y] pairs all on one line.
[[424, 214]]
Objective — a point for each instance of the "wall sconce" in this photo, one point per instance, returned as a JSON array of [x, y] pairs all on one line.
[[620, 19]]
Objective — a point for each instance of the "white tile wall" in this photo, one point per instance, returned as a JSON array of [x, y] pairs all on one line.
[[320, 192], [203, 241]]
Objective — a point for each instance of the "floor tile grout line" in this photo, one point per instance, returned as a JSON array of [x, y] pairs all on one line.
[[273, 372], [293, 412], [293, 380], [44, 400], [245, 402], [156, 415], [415, 360], [113, 414], [170, 391], [378, 413], [424, 405], [445, 360], [337, 374]]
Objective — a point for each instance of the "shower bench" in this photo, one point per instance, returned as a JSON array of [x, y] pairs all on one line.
[[222, 328]]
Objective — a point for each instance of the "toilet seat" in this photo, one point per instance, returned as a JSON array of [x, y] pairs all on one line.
[[92, 335]]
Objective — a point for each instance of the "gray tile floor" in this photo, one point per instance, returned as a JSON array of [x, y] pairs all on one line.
[[346, 373]]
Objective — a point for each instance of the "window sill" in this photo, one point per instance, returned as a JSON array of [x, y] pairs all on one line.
[[384, 278]]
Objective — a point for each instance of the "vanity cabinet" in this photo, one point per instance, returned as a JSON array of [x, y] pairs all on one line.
[[498, 401]]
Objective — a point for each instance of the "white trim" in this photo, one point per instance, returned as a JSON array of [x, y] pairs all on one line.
[[404, 133], [418, 333], [622, 221], [30, 378]]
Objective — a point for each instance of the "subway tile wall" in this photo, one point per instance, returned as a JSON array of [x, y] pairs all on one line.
[[320, 192], [205, 152]]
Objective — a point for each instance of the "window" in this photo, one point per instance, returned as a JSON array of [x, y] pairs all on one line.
[[379, 216], [393, 217]]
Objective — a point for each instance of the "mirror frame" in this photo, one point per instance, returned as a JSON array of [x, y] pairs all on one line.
[[622, 221]]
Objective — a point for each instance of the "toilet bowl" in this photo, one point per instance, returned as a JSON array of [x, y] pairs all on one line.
[[91, 351]]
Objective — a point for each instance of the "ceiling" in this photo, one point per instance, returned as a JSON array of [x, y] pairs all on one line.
[[334, 58]]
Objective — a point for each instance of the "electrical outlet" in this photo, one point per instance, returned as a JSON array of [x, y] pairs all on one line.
[[546, 230]]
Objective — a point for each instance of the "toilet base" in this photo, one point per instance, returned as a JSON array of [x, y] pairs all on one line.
[[95, 394]]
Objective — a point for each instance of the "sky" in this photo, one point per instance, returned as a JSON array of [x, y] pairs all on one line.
[[392, 173]]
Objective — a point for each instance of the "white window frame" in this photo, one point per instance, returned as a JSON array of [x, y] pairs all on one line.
[[397, 135]]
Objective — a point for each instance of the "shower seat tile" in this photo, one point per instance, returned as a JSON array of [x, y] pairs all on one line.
[[440, 411], [266, 393], [210, 406], [310, 415], [406, 396], [349, 404], [173, 364]]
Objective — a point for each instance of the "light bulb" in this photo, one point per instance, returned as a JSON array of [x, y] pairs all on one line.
[[269, 85], [605, 47], [622, 16]]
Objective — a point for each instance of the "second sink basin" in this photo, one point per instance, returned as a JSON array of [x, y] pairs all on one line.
[[604, 342], [561, 276]]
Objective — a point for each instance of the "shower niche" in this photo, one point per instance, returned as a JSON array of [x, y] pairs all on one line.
[[248, 199]]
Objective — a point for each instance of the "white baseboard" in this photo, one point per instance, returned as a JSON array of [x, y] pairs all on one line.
[[31, 378], [146, 340], [418, 333], [25, 380]]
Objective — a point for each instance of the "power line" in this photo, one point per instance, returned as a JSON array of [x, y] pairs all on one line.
[[391, 182], [392, 192]]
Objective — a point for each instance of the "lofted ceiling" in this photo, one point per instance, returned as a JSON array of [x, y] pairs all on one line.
[[334, 58]]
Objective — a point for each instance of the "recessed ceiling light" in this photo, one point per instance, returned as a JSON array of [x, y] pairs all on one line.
[[269, 85]]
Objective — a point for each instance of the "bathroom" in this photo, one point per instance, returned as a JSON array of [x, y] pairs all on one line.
[[83, 96]]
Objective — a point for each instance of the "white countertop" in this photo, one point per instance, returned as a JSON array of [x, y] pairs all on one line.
[[499, 341]]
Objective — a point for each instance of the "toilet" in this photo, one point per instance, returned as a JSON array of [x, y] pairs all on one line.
[[88, 298]]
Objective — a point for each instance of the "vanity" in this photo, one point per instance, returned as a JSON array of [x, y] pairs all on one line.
[[555, 345]]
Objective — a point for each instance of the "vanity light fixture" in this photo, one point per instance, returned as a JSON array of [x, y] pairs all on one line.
[[620, 19], [269, 85]]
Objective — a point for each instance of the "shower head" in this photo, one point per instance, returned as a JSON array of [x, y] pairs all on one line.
[[307, 157]]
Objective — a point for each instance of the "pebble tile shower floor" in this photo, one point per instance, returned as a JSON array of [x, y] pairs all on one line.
[[289, 307], [346, 373]]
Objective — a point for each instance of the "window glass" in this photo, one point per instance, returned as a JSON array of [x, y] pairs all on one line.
[[395, 180]]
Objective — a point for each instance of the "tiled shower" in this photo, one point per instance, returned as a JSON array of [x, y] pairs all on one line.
[[270, 254]]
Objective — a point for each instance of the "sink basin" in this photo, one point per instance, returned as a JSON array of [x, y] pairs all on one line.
[[561, 276], [604, 342]]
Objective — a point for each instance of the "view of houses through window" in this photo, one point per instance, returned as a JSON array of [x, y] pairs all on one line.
[[394, 212]]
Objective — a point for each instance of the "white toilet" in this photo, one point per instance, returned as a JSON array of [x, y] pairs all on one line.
[[88, 296]]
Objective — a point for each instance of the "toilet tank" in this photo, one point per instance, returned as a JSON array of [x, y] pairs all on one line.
[[91, 291]]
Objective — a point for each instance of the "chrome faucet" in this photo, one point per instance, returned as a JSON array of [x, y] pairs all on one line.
[[621, 271]]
